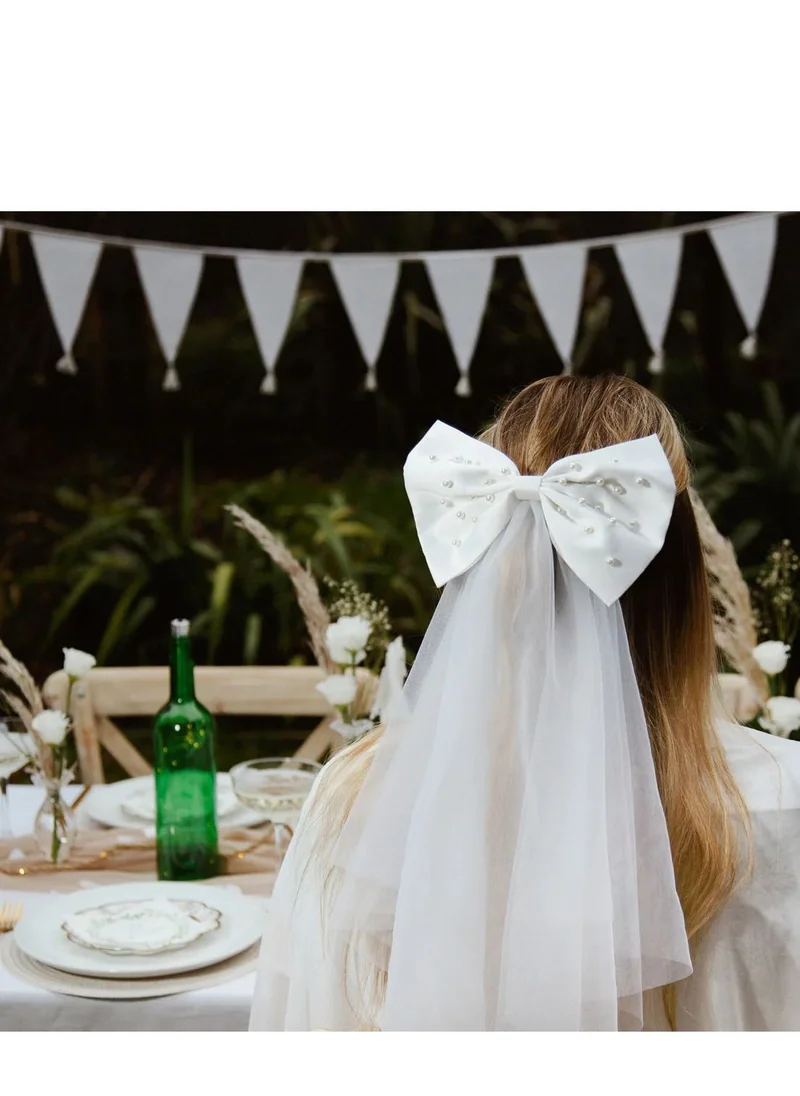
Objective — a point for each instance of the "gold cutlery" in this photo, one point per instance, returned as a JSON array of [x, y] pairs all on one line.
[[10, 916]]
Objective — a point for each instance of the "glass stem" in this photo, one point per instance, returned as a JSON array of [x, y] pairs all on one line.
[[5, 813]]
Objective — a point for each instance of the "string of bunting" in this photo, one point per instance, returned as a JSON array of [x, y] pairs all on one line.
[[461, 280]]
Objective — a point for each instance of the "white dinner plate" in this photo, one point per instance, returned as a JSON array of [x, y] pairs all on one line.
[[40, 936], [140, 804], [105, 804]]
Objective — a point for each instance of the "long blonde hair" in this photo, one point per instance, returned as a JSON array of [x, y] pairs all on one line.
[[668, 618]]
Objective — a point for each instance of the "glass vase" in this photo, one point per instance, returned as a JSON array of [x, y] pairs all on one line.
[[54, 827]]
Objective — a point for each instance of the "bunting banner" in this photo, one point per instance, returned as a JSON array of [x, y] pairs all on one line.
[[367, 288], [651, 266], [269, 286], [66, 266], [746, 252], [169, 280], [367, 285], [555, 276], [461, 282]]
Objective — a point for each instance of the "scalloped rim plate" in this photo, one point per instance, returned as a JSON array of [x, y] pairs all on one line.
[[191, 921]]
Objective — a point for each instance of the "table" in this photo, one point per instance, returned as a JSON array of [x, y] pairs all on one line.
[[27, 1008]]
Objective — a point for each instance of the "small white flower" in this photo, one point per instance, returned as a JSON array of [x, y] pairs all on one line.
[[51, 726], [772, 656], [77, 663], [347, 637], [782, 715], [338, 689]]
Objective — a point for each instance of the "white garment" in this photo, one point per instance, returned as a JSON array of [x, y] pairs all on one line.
[[747, 972]]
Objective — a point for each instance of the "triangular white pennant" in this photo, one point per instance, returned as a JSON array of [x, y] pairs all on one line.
[[461, 282], [67, 267], [169, 279], [746, 251], [651, 266], [269, 285], [367, 287], [555, 275]]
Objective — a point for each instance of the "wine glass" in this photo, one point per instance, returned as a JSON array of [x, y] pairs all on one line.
[[277, 788], [16, 751]]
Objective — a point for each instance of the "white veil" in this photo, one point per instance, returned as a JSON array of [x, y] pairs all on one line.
[[506, 864]]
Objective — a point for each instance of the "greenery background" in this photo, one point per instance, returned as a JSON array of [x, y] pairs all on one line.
[[112, 493]]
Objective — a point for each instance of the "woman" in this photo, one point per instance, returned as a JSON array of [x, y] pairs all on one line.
[[553, 832]]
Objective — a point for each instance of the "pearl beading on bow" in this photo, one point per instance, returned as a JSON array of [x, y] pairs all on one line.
[[607, 511]]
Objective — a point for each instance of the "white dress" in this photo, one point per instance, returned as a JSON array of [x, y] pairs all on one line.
[[747, 972]]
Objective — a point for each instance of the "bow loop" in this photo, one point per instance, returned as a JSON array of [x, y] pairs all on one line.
[[607, 511]]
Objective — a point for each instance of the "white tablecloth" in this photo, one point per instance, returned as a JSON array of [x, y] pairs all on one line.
[[26, 1008]]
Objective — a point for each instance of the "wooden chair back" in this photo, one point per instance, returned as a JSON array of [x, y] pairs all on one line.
[[140, 691], [739, 698], [232, 690]]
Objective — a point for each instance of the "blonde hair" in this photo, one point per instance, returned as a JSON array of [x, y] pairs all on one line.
[[668, 618]]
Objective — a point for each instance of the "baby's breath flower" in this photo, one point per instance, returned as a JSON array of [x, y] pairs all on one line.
[[776, 594]]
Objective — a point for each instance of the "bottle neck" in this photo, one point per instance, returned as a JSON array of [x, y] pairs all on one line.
[[181, 670]]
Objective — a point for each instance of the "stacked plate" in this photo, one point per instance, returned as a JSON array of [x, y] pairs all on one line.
[[140, 939], [132, 803]]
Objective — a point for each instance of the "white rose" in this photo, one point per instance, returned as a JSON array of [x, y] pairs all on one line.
[[338, 689], [51, 726], [782, 715], [347, 637], [772, 656], [78, 663]]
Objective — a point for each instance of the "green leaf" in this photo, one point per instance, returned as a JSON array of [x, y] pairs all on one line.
[[252, 638], [206, 550], [71, 500], [220, 600], [89, 579], [115, 628]]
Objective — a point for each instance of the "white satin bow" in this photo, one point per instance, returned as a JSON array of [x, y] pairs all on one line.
[[607, 511]]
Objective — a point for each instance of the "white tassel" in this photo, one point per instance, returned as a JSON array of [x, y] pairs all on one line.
[[171, 382], [656, 364], [370, 381], [749, 347], [463, 388], [268, 386], [66, 365]]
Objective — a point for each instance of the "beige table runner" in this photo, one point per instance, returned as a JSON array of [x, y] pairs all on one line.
[[102, 857]]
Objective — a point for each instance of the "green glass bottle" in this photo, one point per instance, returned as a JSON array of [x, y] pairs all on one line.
[[183, 738]]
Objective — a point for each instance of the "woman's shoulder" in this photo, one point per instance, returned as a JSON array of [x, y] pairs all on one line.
[[765, 767]]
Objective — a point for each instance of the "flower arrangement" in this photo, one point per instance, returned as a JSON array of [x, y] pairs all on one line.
[[754, 630], [777, 614], [49, 729], [360, 636]]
